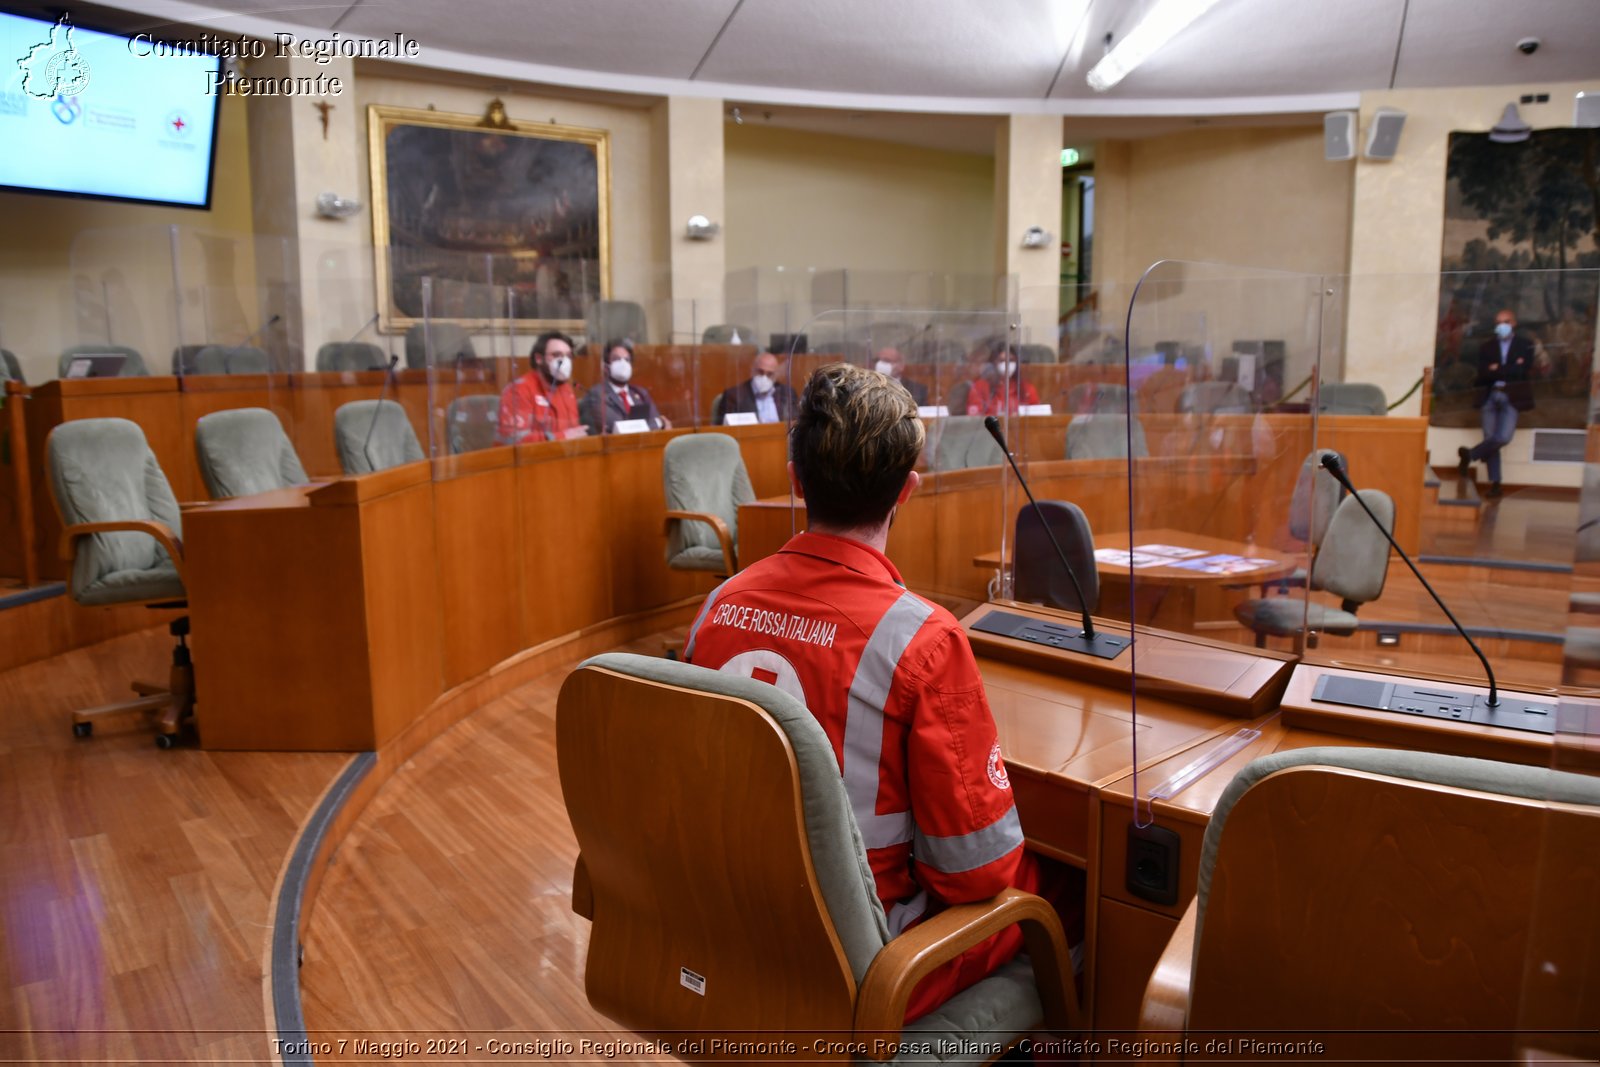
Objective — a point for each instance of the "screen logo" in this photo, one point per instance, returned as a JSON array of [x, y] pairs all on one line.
[[66, 110], [55, 68]]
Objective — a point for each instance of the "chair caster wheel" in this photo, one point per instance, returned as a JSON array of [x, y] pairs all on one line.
[[83, 729], [166, 741]]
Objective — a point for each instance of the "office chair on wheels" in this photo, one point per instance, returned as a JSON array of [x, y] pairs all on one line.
[[121, 532], [728, 890]]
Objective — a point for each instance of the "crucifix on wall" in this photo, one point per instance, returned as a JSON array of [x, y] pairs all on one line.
[[324, 107]]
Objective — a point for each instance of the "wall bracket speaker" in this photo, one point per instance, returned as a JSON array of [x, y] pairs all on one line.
[[1383, 133], [1339, 135]]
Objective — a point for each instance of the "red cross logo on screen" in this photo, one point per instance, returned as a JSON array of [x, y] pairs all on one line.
[[178, 124]]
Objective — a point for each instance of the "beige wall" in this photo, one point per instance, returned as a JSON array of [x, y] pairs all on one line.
[[1396, 241], [807, 200], [124, 254]]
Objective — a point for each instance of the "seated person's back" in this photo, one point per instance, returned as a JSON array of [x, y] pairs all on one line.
[[889, 675]]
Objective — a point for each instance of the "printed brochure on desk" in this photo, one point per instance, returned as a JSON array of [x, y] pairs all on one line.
[[1223, 564], [1117, 557], [1170, 551]]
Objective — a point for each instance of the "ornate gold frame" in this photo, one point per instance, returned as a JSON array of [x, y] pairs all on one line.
[[381, 119]]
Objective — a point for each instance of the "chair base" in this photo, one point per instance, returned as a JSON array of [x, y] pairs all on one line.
[[170, 706]]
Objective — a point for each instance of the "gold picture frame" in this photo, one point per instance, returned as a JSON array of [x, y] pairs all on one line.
[[510, 222]]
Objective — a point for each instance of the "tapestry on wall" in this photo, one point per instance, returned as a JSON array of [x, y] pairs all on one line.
[[487, 223], [1521, 232]]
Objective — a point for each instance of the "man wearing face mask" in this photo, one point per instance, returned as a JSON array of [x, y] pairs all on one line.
[[541, 405], [889, 675], [616, 400], [1505, 363], [999, 389], [764, 396], [890, 362]]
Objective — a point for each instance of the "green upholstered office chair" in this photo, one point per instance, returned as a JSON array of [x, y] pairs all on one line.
[[1038, 577], [1099, 398], [184, 359], [374, 435], [350, 355], [724, 875], [1096, 436], [614, 318], [122, 530], [705, 482], [451, 344], [1351, 398], [1352, 562], [1036, 354], [726, 333], [471, 422], [231, 359], [963, 442], [243, 451], [132, 362], [10, 367], [1344, 890]]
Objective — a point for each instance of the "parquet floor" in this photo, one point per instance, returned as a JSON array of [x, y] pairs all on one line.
[[134, 883], [447, 912]]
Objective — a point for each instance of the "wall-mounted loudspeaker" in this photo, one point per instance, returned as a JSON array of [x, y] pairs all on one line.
[[1339, 135], [1383, 133], [1586, 109]]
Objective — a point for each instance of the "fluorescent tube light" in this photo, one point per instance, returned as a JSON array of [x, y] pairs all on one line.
[[1166, 20]]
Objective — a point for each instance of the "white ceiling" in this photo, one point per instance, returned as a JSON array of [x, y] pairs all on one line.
[[959, 55]]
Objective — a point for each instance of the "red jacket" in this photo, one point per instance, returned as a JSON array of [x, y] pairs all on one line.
[[893, 681], [530, 410], [985, 399]]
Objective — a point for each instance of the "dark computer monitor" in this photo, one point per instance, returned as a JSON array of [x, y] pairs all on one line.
[[784, 344], [95, 365]]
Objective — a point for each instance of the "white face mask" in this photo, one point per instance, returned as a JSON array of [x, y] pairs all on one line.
[[1005, 368], [560, 368], [621, 370], [1504, 330], [760, 384], [885, 367]]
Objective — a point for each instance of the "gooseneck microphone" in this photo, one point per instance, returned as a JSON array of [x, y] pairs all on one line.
[[992, 424], [373, 425], [259, 331], [1331, 464], [364, 328]]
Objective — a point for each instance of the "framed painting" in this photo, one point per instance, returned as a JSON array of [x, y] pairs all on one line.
[[509, 221]]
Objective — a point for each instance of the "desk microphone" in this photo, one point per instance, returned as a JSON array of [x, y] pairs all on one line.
[[1089, 639], [259, 331], [1331, 463], [364, 328], [373, 425]]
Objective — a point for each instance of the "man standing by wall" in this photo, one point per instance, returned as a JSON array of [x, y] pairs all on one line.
[[1505, 363]]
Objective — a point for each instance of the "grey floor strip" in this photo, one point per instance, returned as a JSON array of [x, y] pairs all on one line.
[[29, 596], [1499, 564], [290, 1021]]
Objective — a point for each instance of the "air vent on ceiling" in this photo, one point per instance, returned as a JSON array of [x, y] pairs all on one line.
[[1558, 446]]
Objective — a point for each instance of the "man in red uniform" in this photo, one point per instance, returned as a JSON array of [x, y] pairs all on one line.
[[889, 675], [541, 405]]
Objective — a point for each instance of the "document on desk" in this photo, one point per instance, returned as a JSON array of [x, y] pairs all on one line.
[[1117, 557], [1170, 551], [1223, 564]]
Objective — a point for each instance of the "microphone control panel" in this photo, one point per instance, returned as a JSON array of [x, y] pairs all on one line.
[[1513, 712], [1052, 634]]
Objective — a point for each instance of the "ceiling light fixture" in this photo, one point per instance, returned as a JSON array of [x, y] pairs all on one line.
[[1510, 129], [1166, 20]]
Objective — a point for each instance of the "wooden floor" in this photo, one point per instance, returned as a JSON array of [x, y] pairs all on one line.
[[135, 883], [447, 913]]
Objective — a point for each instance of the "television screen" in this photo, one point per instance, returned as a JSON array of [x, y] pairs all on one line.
[[85, 113]]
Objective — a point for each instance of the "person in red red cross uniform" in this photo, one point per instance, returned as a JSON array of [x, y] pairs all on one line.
[[541, 405], [888, 674]]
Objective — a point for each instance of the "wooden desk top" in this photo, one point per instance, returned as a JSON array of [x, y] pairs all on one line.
[[1280, 564]]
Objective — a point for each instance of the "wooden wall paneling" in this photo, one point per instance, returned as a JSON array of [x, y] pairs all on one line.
[[274, 585], [766, 455], [1388, 453], [400, 574], [481, 547], [1128, 940], [56, 624], [632, 504], [43, 414], [316, 396], [563, 501], [18, 556]]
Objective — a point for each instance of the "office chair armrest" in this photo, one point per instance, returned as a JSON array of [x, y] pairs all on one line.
[[582, 890], [905, 961], [1166, 997], [716, 523], [159, 530]]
